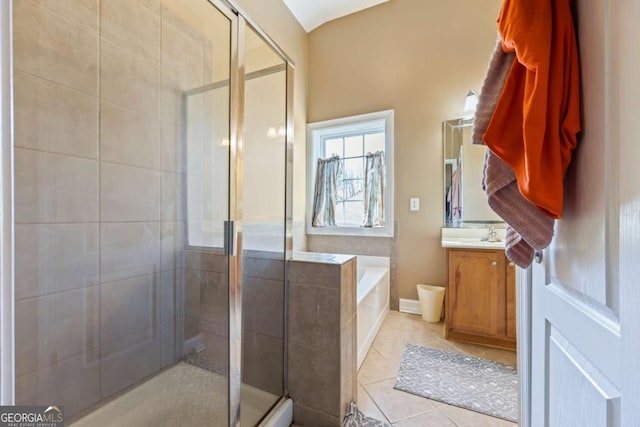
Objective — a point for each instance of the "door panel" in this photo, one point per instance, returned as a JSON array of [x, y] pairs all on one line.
[[577, 359], [263, 209]]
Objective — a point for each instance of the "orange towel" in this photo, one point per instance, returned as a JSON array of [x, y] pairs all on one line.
[[534, 126]]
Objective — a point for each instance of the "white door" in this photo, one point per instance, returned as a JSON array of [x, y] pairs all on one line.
[[586, 290]]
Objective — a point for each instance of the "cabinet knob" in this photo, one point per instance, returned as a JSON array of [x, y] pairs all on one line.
[[494, 262], [511, 264]]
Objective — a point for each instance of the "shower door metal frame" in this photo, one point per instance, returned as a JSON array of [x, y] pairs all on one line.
[[7, 318]]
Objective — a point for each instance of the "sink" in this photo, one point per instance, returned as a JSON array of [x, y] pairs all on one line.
[[478, 238], [492, 240], [471, 242]]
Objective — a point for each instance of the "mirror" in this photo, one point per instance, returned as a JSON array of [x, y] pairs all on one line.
[[465, 203]]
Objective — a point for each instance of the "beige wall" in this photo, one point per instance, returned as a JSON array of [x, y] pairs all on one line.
[[419, 57]]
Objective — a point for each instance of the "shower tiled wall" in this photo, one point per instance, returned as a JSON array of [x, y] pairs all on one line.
[[99, 219], [206, 314]]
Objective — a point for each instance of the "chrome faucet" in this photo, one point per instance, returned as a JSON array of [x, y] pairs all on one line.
[[492, 235]]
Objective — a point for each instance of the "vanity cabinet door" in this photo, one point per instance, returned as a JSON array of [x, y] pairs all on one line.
[[476, 301], [481, 298], [511, 299]]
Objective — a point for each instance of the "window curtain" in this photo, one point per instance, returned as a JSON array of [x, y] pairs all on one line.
[[374, 191], [326, 192]]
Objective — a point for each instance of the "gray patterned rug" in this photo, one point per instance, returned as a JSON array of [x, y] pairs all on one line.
[[472, 383]]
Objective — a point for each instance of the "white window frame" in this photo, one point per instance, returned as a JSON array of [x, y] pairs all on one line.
[[315, 133]]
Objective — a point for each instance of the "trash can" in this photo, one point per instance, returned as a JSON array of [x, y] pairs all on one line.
[[431, 302]]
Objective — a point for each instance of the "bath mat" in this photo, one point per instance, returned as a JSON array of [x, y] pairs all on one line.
[[469, 382], [355, 418]]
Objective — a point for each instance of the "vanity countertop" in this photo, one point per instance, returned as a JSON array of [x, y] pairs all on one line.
[[472, 238]]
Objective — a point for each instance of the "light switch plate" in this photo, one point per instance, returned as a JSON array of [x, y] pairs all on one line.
[[414, 204]]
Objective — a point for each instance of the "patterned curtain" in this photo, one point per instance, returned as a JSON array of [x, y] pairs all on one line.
[[374, 191], [326, 192]]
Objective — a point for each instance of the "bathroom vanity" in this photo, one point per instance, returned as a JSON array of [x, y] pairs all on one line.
[[480, 298]]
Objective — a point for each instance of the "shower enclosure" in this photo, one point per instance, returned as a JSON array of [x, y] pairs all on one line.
[[151, 213]]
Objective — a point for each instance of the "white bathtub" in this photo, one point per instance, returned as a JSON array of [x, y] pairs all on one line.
[[373, 300]]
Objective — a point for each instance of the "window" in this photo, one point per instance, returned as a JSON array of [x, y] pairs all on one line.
[[347, 142]]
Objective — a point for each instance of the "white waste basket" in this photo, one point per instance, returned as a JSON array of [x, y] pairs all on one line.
[[431, 302]]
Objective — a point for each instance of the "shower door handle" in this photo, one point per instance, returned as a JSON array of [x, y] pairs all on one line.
[[229, 232]]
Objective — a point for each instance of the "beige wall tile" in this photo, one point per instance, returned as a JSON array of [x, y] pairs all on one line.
[[74, 324], [172, 244], [316, 388], [129, 250], [191, 326], [32, 265], [182, 56], [55, 327], [51, 117], [263, 362], [348, 366], [131, 26], [169, 355], [182, 66], [73, 382], [319, 326], [128, 306], [54, 258], [31, 316], [309, 417], [129, 193], [194, 281], [32, 169], [197, 260], [170, 283], [128, 80], [216, 353], [348, 290], [129, 360], [74, 190], [263, 300], [172, 205], [129, 137], [214, 297], [171, 147], [80, 11], [314, 274], [263, 267], [54, 48], [54, 188]]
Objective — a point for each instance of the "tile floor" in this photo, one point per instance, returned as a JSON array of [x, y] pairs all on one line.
[[377, 376]]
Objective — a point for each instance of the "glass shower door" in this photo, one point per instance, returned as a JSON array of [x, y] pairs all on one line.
[[122, 200], [264, 228]]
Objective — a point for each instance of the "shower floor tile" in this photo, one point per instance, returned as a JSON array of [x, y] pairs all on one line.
[[182, 395]]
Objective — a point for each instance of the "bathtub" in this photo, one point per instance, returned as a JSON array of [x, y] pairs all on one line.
[[373, 300]]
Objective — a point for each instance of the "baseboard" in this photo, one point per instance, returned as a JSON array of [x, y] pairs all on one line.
[[411, 306], [193, 344]]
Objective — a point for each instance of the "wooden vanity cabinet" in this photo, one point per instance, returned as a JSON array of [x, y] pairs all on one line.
[[480, 298]]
